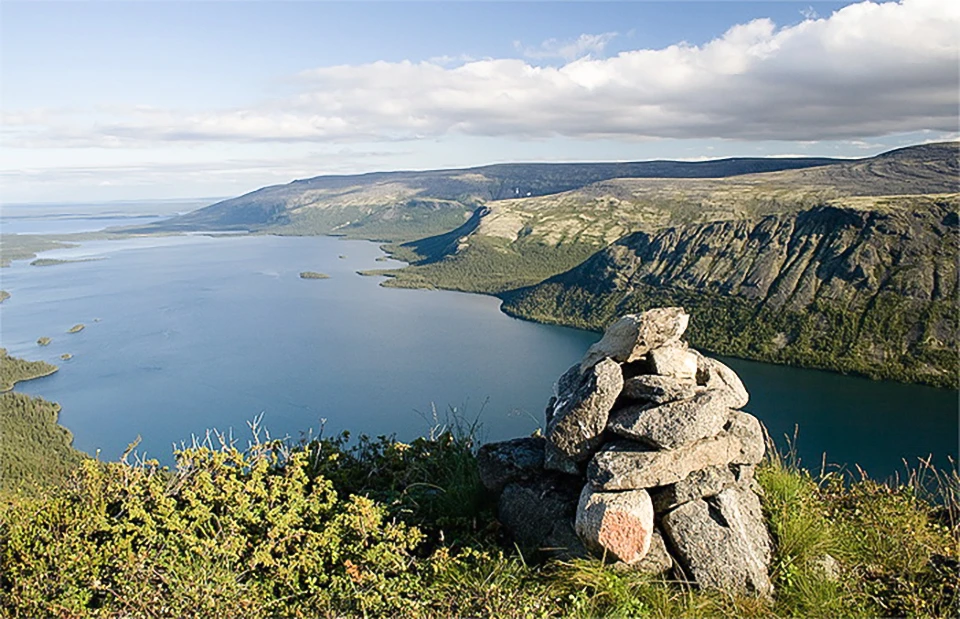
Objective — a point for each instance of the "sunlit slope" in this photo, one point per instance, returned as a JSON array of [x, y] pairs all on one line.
[[517, 242]]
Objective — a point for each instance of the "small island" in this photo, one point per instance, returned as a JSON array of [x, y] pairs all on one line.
[[4, 295], [66, 356], [77, 328], [313, 275], [342, 256], [48, 262], [43, 341]]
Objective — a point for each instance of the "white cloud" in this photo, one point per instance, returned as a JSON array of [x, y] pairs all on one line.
[[585, 44], [867, 70]]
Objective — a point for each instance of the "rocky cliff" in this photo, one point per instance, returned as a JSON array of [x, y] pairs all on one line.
[[865, 285]]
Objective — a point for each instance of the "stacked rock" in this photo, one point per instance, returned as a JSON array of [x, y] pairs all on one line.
[[646, 461]]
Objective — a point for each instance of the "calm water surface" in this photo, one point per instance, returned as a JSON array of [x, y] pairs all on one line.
[[189, 333]]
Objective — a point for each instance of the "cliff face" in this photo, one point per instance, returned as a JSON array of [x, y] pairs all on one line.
[[867, 290]]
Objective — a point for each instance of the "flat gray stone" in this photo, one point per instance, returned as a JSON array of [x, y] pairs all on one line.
[[579, 416], [707, 482], [674, 361], [722, 543], [672, 425], [625, 465], [634, 335], [658, 389], [615, 525], [714, 375], [502, 463]]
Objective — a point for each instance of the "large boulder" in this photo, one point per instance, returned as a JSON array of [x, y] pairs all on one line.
[[532, 511], [716, 376], [634, 335], [625, 465], [579, 416], [616, 525], [676, 361], [658, 389], [508, 461], [721, 542], [672, 425]]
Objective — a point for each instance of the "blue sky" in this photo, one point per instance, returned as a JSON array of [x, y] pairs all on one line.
[[138, 100]]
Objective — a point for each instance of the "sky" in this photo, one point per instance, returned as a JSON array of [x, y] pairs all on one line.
[[158, 99]]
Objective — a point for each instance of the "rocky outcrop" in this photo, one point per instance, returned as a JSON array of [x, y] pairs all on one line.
[[668, 481]]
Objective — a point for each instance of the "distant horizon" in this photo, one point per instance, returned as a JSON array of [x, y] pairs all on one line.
[[214, 199]]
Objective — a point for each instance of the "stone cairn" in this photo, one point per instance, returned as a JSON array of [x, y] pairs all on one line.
[[646, 462]]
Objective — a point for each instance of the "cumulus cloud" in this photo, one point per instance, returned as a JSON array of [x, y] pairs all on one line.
[[869, 69]]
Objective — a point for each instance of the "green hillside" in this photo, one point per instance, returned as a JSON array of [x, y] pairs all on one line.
[[869, 287]]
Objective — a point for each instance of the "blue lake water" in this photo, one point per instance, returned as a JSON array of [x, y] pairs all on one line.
[[188, 333]]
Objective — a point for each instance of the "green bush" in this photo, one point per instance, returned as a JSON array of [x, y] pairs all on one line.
[[229, 532]]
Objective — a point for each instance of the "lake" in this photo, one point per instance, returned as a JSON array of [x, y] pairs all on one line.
[[188, 333]]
